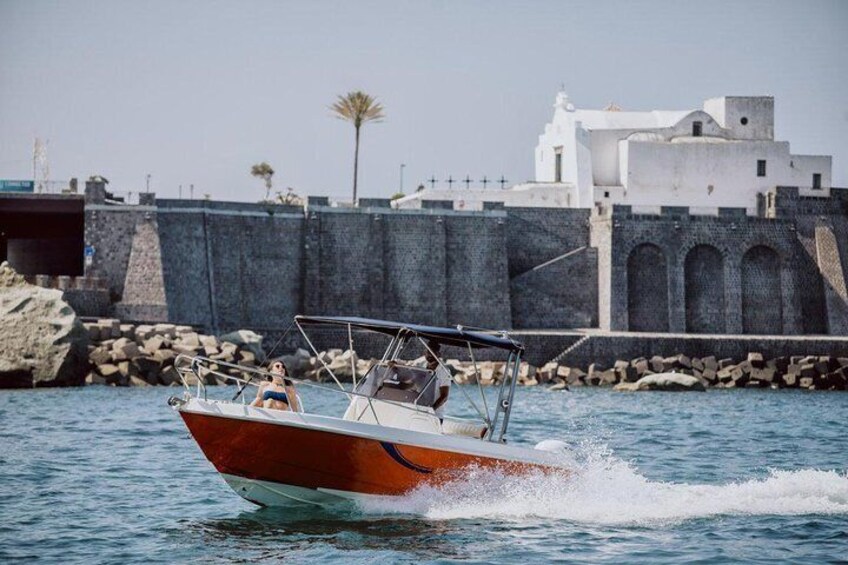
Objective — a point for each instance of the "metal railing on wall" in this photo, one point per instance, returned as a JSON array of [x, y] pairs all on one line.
[[122, 196], [52, 187]]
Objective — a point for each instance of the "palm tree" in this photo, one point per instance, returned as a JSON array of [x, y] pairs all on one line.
[[357, 108], [263, 171]]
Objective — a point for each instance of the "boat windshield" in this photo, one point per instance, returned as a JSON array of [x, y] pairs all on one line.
[[399, 383]]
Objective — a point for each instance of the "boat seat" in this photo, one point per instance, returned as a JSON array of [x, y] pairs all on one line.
[[465, 428]]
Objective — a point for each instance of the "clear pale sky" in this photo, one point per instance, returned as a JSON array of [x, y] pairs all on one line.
[[196, 92]]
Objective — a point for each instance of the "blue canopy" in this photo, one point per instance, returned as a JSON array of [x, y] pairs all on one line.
[[448, 336]]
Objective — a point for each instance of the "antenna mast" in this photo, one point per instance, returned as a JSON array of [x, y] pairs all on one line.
[[40, 165]]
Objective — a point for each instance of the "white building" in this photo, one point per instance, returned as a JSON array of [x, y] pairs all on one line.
[[723, 155]]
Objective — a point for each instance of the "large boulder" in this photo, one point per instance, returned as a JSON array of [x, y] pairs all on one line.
[[245, 340], [663, 381], [42, 342], [342, 367], [297, 364]]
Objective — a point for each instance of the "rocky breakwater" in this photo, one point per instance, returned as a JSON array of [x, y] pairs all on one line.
[[678, 372], [42, 342], [126, 355], [342, 363], [809, 372], [144, 355]]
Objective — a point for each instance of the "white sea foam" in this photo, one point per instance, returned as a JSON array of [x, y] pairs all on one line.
[[606, 490]]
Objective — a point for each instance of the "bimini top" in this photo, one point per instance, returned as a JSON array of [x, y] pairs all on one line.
[[448, 336]]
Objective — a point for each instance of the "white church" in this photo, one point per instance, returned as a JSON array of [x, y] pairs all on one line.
[[722, 155]]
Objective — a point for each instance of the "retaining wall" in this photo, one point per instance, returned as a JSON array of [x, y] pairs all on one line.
[[231, 265]]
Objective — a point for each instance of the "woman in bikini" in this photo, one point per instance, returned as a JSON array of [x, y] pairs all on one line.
[[278, 394]]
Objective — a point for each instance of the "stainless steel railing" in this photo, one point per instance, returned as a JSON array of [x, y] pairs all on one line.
[[199, 367]]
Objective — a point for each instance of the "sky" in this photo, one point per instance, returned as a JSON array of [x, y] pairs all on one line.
[[195, 92]]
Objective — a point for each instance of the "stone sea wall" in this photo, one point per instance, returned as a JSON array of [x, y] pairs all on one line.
[[227, 265]]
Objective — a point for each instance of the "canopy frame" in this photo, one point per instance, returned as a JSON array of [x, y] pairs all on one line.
[[496, 423], [458, 336]]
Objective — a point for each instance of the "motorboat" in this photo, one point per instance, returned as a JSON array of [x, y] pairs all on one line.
[[388, 441]]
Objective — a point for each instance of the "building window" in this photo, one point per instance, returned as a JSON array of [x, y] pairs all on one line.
[[744, 121], [606, 194], [761, 168], [816, 180], [558, 164], [697, 127]]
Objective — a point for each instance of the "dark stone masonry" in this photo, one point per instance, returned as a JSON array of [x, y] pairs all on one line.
[[221, 266]]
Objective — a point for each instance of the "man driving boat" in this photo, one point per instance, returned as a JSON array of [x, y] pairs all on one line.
[[443, 378]]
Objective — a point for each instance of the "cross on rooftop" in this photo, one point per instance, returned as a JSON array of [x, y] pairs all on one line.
[[467, 181], [485, 181], [450, 182], [502, 181], [432, 181]]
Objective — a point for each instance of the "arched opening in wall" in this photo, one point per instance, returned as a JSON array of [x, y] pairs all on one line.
[[647, 289], [762, 310], [704, 290]]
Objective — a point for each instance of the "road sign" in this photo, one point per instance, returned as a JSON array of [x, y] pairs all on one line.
[[17, 186], [89, 255]]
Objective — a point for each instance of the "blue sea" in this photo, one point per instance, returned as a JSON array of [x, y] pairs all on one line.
[[106, 475]]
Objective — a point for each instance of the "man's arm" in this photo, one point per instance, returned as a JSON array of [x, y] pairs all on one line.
[[443, 397]]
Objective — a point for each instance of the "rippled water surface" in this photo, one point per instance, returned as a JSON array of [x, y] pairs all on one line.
[[111, 475]]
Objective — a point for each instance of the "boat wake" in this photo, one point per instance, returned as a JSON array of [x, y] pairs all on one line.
[[606, 490]]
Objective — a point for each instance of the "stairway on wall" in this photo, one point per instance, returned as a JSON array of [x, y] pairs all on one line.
[[530, 272], [543, 237], [559, 258], [830, 263], [570, 349], [144, 286], [557, 293]]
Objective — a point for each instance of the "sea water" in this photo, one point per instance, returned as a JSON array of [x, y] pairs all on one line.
[[111, 475]]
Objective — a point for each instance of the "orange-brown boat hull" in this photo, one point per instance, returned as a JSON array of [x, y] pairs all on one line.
[[319, 459]]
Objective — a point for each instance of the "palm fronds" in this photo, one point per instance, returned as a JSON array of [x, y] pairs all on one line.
[[358, 108], [264, 171]]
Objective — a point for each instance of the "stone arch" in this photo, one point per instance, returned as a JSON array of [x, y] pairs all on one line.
[[711, 128], [647, 289], [762, 299], [703, 271]]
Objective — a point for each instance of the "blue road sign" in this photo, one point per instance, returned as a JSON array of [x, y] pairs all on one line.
[[17, 186]]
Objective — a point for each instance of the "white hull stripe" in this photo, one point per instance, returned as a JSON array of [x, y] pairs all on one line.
[[268, 493]]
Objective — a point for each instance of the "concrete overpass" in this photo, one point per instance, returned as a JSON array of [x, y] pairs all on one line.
[[43, 234]]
